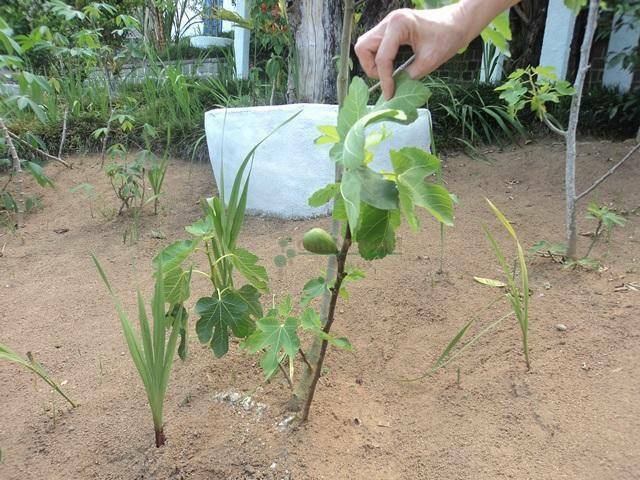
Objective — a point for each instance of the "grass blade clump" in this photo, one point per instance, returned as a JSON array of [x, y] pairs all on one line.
[[152, 354]]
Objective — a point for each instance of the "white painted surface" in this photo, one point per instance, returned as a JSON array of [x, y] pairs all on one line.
[[205, 41], [289, 166], [558, 34], [241, 41], [195, 27], [228, 5], [622, 39]]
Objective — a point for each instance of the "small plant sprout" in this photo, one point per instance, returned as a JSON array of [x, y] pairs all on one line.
[[153, 353], [128, 183], [606, 220], [156, 174], [30, 364], [516, 293]]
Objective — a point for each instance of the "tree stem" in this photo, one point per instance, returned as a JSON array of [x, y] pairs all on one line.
[[304, 385], [160, 438], [335, 292], [570, 137], [17, 171]]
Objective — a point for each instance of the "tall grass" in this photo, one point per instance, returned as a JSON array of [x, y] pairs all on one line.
[[516, 294], [152, 354]]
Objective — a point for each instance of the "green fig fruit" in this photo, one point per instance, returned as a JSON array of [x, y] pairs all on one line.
[[319, 241]]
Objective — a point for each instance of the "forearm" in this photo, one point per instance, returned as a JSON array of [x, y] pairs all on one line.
[[475, 15]]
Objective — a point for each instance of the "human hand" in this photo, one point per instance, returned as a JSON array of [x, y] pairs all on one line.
[[434, 36]]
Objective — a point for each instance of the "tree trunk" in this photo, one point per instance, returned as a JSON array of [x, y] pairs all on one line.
[[527, 20], [570, 165], [316, 26], [17, 172]]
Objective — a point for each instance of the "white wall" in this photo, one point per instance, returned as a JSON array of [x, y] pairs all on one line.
[[623, 38], [558, 34]]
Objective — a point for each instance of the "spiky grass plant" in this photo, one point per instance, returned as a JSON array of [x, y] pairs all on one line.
[[152, 354], [517, 294], [7, 354]]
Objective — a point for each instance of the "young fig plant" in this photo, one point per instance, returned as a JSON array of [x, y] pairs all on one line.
[[370, 204]]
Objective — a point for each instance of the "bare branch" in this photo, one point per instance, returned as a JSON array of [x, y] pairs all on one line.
[[42, 153], [63, 136], [609, 172], [552, 127]]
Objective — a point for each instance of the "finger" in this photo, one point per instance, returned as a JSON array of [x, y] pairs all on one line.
[[421, 67], [385, 57], [366, 49]]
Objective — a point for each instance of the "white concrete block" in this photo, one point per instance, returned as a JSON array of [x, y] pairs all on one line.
[[558, 34], [289, 166]]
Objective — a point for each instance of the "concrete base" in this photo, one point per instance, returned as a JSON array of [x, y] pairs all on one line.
[[289, 166]]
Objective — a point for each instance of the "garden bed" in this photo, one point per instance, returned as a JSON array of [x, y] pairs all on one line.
[[575, 416]]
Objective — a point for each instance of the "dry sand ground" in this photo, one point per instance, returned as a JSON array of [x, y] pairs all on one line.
[[576, 415]]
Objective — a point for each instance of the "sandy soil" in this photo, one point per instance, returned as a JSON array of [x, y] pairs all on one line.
[[576, 415]]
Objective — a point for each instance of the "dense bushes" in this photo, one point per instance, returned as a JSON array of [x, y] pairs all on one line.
[[604, 112], [465, 114]]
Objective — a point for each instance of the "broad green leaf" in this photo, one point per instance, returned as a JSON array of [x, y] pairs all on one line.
[[251, 297], [354, 106], [490, 282], [339, 210], [409, 96], [365, 185], [324, 195], [172, 256], [38, 174], [202, 227], [285, 307], [247, 264], [314, 288], [375, 190], [437, 201], [412, 166], [376, 233], [176, 285], [274, 337], [329, 135], [350, 189], [353, 152], [217, 316], [310, 320]]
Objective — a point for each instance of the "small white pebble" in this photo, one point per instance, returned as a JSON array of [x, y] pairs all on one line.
[[561, 327]]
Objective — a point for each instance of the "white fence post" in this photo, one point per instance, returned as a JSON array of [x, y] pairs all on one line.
[[622, 39], [558, 34], [241, 42]]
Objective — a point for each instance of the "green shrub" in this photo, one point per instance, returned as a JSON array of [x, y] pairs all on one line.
[[604, 112]]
